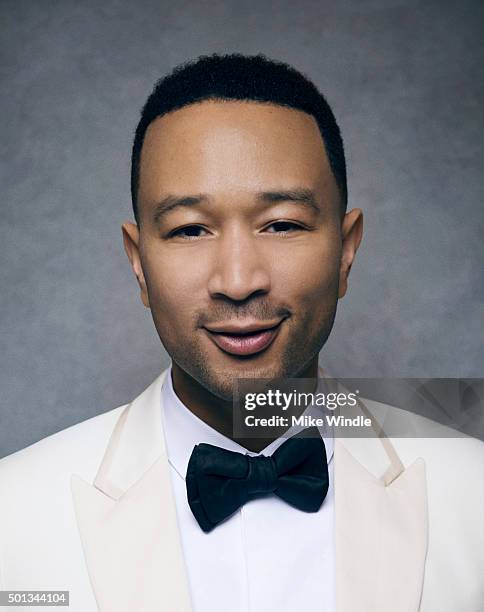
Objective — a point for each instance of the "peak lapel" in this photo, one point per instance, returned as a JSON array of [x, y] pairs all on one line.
[[127, 517], [381, 537], [380, 523]]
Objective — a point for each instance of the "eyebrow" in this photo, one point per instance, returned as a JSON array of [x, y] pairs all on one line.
[[298, 196], [170, 202]]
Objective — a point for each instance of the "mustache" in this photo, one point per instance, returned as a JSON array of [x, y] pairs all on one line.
[[258, 310]]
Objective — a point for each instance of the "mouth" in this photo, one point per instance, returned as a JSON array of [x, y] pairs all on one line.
[[244, 340]]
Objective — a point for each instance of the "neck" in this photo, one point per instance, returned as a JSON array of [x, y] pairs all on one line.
[[217, 412]]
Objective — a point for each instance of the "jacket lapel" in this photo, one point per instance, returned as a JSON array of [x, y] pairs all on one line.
[[129, 532], [127, 518], [380, 525]]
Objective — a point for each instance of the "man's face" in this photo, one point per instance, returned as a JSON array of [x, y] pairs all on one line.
[[239, 251]]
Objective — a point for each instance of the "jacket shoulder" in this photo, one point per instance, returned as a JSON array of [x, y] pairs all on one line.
[[415, 435], [78, 448]]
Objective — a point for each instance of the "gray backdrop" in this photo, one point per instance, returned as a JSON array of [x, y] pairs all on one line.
[[405, 81]]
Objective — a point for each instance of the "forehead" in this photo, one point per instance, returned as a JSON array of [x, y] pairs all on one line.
[[232, 145]]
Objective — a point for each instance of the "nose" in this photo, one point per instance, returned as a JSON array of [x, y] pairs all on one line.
[[240, 269]]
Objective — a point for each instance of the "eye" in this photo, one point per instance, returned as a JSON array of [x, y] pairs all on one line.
[[283, 227], [189, 232]]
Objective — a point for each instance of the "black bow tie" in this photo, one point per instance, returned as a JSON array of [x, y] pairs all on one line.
[[220, 481]]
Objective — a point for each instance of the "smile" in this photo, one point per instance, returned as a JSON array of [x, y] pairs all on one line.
[[240, 340]]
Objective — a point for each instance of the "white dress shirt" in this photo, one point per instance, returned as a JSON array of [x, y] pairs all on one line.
[[268, 556]]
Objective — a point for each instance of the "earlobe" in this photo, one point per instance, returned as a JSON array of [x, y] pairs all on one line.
[[131, 246]]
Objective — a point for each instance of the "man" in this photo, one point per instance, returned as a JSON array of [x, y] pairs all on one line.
[[242, 247]]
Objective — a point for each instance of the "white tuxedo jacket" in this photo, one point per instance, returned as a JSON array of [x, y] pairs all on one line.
[[90, 510]]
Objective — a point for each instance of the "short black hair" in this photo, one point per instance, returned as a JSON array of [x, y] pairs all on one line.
[[240, 77]]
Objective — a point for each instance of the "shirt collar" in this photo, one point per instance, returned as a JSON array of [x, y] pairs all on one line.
[[183, 430]]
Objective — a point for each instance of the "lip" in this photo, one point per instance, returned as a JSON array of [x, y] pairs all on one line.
[[236, 327], [243, 340]]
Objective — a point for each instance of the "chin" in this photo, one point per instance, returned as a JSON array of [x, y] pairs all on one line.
[[222, 382]]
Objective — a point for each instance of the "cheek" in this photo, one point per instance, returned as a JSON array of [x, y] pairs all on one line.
[[309, 275], [175, 289]]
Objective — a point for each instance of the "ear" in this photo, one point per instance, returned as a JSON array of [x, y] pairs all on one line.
[[131, 246], [352, 232]]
